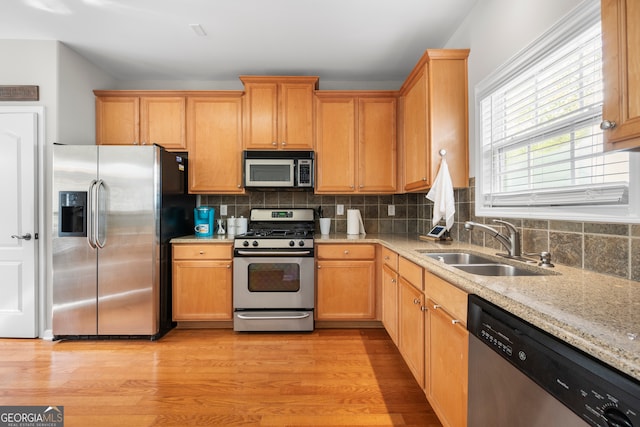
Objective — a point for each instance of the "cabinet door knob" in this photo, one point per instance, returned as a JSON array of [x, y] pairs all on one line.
[[424, 178], [607, 125], [393, 280], [455, 321], [423, 308], [416, 301], [201, 252], [274, 143], [436, 306], [284, 143], [346, 252], [228, 265]]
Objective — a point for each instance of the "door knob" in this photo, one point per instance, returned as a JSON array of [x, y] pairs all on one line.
[[24, 236]]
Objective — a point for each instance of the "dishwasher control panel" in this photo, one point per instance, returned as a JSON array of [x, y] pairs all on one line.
[[598, 393]]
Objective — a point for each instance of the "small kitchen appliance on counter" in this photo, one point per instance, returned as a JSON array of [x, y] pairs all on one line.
[[203, 221], [273, 271]]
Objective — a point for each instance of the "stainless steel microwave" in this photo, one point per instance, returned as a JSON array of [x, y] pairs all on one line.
[[278, 169]]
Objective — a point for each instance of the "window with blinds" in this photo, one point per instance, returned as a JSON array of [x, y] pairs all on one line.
[[540, 140]]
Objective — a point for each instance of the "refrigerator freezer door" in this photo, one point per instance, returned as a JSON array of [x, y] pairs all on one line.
[[74, 260], [128, 227]]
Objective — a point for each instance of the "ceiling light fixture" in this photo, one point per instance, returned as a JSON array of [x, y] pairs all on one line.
[[197, 28]]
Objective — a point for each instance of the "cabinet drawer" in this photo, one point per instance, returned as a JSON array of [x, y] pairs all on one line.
[[452, 299], [202, 251], [346, 252], [411, 272], [390, 258]]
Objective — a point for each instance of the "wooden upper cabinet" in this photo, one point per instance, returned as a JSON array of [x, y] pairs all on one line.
[[163, 121], [621, 72], [278, 112], [133, 118], [434, 116], [335, 144], [356, 142], [214, 136], [117, 120]]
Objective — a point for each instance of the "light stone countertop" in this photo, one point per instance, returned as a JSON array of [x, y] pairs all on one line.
[[596, 313]]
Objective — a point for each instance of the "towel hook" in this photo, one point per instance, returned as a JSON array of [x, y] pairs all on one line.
[[442, 152]]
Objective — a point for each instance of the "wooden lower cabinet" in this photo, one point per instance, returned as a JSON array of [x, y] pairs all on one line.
[[411, 328], [202, 282], [346, 282], [390, 302], [447, 351]]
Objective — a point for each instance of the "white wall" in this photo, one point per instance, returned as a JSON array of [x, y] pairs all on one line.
[[65, 82], [495, 31]]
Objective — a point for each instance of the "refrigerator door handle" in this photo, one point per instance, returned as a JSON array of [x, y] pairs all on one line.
[[100, 226], [91, 215]]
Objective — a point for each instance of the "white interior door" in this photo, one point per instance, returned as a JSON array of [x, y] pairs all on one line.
[[18, 225]]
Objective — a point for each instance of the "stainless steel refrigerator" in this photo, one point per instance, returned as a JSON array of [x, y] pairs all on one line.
[[115, 208]]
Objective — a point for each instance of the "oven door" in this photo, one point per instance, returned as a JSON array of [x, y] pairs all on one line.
[[273, 293], [273, 282]]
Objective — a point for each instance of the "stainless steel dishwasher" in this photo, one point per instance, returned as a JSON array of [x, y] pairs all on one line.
[[520, 376]]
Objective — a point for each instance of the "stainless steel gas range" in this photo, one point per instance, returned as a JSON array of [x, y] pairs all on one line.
[[273, 271]]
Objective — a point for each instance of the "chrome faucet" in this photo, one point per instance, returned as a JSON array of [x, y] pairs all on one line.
[[511, 243]]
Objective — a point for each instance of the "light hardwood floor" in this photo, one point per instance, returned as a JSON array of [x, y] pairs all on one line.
[[213, 377]]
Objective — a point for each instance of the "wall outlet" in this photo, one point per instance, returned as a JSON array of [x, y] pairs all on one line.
[[223, 210], [391, 210], [339, 209]]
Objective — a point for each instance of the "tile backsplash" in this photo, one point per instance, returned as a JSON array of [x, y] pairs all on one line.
[[612, 249]]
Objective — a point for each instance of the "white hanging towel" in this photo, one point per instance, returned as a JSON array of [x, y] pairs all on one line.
[[441, 194]]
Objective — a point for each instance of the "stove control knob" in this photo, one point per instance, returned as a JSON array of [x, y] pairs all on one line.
[[245, 243], [255, 243], [292, 243], [301, 243]]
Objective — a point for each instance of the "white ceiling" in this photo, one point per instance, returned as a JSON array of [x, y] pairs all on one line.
[[338, 40]]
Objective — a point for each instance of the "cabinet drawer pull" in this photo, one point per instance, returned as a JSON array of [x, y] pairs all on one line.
[[346, 252], [201, 252]]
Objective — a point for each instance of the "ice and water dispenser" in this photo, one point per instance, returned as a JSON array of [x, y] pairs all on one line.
[[72, 214]]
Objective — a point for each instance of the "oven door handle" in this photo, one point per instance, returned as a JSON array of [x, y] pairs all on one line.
[[267, 317], [275, 253]]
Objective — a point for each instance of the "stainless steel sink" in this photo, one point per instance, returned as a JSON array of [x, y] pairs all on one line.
[[482, 265], [459, 258], [498, 270]]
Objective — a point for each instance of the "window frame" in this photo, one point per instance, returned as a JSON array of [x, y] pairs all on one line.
[[583, 16]]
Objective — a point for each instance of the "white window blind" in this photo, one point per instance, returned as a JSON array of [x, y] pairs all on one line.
[[541, 144]]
